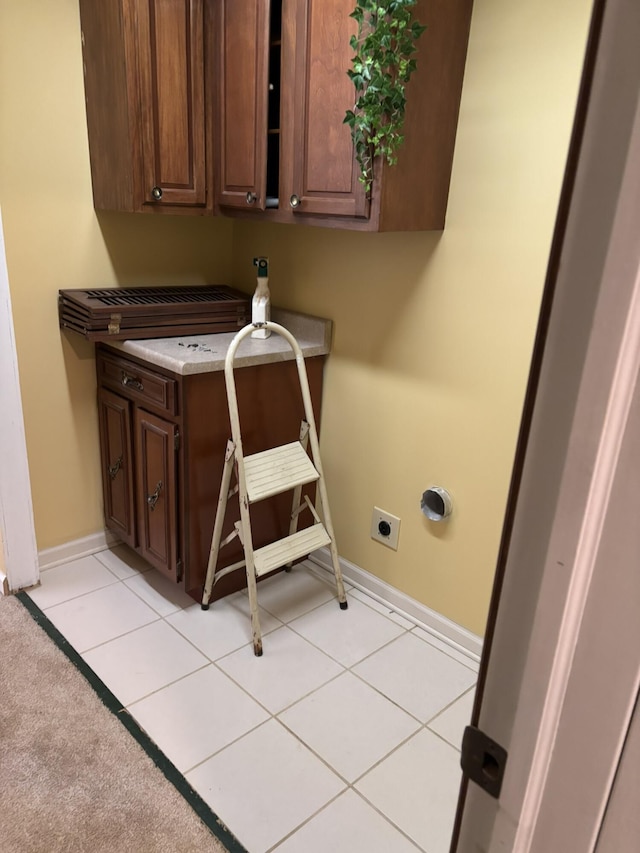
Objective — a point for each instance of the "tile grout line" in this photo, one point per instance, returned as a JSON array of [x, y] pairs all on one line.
[[274, 848]]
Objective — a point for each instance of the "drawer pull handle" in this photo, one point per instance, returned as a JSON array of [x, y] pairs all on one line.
[[113, 469], [156, 192], [152, 500], [131, 382]]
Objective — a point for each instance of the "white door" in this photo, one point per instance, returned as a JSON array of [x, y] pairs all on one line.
[[561, 670], [18, 552], [622, 819]]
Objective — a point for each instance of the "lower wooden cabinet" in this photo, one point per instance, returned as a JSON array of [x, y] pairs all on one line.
[[116, 452], [162, 440], [156, 445]]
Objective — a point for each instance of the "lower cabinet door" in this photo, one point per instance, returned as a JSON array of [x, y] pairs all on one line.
[[117, 466], [156, 491]]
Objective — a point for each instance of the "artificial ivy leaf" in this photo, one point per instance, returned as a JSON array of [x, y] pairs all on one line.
[[381, 65]]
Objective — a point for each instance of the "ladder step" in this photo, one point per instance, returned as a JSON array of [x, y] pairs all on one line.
[[277, 470], [290, 548]]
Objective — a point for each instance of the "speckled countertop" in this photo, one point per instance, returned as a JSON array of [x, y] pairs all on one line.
[[190, 354]]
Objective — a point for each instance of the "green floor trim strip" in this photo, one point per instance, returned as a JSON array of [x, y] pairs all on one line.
[[169, 770]]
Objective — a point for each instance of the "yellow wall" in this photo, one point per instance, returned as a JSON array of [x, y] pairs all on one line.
[[433, 332], [55, 240]]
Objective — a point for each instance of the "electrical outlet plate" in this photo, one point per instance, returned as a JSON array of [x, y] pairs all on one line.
[[378, 520]]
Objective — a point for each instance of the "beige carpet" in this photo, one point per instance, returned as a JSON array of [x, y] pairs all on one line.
[[72, 777]]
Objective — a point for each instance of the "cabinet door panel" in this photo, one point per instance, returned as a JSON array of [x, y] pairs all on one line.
[[325, 174], [156, 492], [171, 36], [117, 467], [243, 51]]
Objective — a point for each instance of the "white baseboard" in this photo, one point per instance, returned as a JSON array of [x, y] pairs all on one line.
[[51, 557], [434, 623]]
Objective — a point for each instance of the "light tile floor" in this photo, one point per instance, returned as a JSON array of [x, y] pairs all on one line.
[[343, 736]]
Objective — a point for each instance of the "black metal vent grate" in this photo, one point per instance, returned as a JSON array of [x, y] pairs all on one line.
[[149, 312], [159, 295]]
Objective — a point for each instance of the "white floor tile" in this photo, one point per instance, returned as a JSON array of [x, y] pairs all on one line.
[[152, 645], [451, 723], [347, 825], [290, 594], [123, 562], [349, 725], [70, 580], [265, 785], [346, 635], [195, 717], [416, 787], [100, 616], [448, 649], [224, 627], [148, 659], [382, 608], [416, 676], [159, 592], [288, 669]]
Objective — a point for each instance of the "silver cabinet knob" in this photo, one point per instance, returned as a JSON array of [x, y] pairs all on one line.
[[156, 192], [294, 201], [251, 198]]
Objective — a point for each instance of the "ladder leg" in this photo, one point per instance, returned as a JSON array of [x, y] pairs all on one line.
[[337, 571], [244, 532], [315, 453], [297, 494], [217, 527]]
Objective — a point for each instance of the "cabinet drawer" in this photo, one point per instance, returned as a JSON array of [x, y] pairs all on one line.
[[137, 383]]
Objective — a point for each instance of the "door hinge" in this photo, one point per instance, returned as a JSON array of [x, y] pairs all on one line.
[[176, 440], [483, 760], [179, 570]]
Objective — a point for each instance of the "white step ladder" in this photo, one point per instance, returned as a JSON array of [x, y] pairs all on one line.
[[263, 475]]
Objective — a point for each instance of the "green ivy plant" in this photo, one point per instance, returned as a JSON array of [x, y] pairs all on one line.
[[382, 64]]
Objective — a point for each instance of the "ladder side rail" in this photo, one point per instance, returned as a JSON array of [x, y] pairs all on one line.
[[223, 497], [315, 453], [244, 527]]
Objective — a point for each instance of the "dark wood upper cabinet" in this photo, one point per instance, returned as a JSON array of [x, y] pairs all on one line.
[[322, 173], [248, 98], [144, 67], [242, 63], [299, 163]]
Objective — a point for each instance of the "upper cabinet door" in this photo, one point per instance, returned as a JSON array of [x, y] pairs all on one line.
[[243, 37], [325, 174], [171, 64]]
